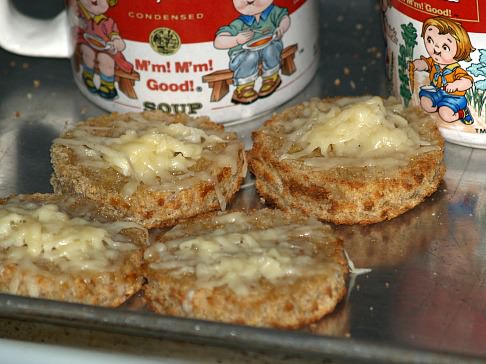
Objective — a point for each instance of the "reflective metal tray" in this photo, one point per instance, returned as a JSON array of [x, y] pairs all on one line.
[[425, 299]]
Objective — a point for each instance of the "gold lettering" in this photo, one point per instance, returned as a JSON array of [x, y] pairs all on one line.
[[430, 9], [165, 17]]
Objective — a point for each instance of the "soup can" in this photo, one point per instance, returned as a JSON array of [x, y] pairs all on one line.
[[436, 59], [230, 60]]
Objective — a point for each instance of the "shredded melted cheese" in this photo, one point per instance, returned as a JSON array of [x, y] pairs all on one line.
[[238, 255], [31, 233], [366, 131], [158, 154]]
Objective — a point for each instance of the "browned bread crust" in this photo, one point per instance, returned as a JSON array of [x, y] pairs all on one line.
[[147, 205], [42, 278], [344, 195], [285, 303]]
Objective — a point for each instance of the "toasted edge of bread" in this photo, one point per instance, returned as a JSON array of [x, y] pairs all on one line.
[[41, 278], [147, 206], [346, 195], [289, 303]]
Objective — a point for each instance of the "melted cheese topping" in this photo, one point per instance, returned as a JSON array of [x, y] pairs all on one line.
[[158, 154], [238, 255], [353, 132], [30, 233]]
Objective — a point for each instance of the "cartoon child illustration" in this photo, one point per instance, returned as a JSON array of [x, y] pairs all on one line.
[[100, 44], [258, 18], [447, 43]]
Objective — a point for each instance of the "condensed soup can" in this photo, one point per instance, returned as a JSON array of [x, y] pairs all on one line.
[[436, 59], [231, 60]]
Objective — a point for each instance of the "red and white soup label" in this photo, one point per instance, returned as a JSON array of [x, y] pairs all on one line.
[[230, 60], [436, 54]]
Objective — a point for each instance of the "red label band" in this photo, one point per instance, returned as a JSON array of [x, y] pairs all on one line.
[[467, 12], [194, 21]]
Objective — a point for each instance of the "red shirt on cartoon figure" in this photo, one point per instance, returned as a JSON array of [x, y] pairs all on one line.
[[100, 44]]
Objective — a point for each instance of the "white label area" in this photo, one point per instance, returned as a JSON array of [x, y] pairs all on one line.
[[460, 110], [197, 80]]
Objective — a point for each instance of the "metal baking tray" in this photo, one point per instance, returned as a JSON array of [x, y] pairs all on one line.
[[424, 300]]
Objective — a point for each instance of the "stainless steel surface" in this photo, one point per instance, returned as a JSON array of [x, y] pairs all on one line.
[[425, 299]]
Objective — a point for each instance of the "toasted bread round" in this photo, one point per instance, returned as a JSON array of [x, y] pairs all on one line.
[[51, 247], [262, 268], [347, 173], [151, 168]]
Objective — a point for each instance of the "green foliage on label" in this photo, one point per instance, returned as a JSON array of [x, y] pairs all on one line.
[[476, 95], [405, 55]]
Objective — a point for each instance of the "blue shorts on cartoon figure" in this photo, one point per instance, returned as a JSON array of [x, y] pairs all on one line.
[[254, 43], [245, 63], [441, 98]]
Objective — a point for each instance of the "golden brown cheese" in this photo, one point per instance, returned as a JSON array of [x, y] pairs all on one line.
[[159, 155], [367, 131], [237, 255], [31, 232]]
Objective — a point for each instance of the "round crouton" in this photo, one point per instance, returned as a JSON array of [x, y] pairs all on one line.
[[261, 268], [348, 160], [151, 168], [52, 247]]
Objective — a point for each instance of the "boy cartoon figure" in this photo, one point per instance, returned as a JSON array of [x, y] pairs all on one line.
[[100, 44], [258, 18], [447, 43]]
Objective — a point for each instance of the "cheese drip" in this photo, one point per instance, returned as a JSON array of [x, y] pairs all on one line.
[[238, 255], [354, 132], [29, 233]]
